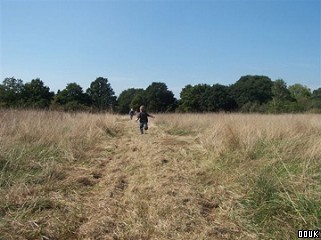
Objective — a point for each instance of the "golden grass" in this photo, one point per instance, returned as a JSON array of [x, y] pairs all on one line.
[[193, 176]]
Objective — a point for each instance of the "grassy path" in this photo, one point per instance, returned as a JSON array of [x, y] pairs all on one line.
[[150, 187]]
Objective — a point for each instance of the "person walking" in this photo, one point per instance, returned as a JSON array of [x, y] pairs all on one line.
[[142, 116], [131, 113]]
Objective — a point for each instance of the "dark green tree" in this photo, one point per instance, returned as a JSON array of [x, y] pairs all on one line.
[[36, 95], [159, 98], [2, 98], [252, 89], [220, 99], [317, 93], [101, 94], [125, 99], [206, 98], [315, 102], [282, 101], [195, 98], [10, 92], [280, 91], [72, 98], [186, 102], [138, 100]]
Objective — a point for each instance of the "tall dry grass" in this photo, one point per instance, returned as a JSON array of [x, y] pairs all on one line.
[[42, 155], [193, 176], [270, 163]]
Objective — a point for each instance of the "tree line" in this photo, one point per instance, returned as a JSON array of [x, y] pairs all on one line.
[[251, 93]]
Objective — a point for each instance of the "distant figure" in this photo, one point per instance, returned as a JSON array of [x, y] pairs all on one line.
[[142, 116], [131, 113]]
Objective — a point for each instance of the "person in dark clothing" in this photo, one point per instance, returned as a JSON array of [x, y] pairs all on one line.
[[142, 116]]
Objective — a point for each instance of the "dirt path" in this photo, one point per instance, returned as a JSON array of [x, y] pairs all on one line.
[[148, 187]]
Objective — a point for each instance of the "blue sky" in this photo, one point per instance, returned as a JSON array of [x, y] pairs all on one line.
[[135, 43]]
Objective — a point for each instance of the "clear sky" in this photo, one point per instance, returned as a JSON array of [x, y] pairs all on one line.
[[135, 43]]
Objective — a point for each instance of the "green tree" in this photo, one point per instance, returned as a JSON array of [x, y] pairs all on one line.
[[101, 94], [280, 91], [10, 92], [282, 100], [72, 98], [36, 95], [315, 101], [186, 102], [2, 99], [125, 99], [252, 89], [317, 93], [159, 98], [299, 91], [206, 98], [195, 98], [138, 100], [302, 96], [220, 99]]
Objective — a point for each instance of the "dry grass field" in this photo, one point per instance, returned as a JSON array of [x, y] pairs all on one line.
[[192, 176]]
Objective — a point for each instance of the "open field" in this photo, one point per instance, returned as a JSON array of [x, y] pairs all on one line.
[[193, 176]]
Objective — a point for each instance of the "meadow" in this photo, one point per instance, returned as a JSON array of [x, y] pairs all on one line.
[[192, 176]]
